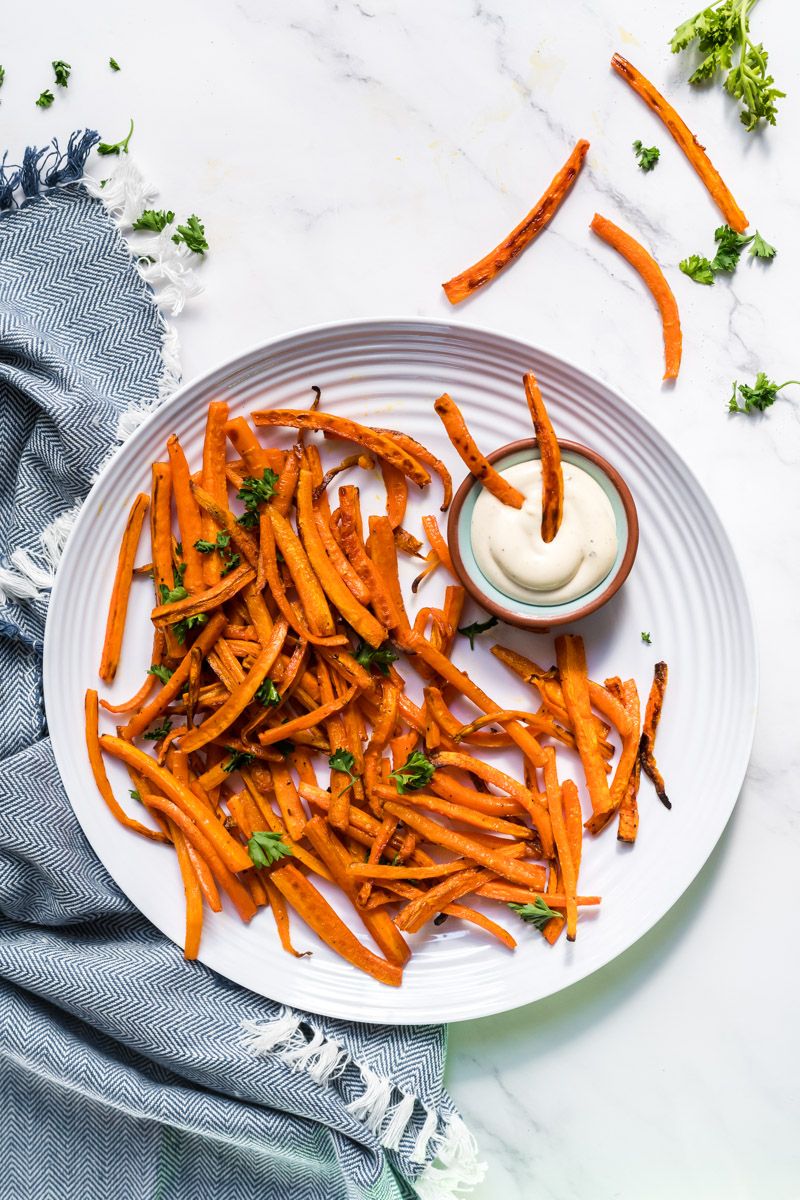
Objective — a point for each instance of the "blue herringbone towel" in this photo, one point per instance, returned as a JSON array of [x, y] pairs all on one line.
[[125, 1071]]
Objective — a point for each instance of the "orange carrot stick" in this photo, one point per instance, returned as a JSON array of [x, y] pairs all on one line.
[[396, 493], [575, 688], [473, 459], [214, 481], [118, 607], [192, 892], [100, 777], [425, 456], [552, 477], [438, 544], [190, 522]]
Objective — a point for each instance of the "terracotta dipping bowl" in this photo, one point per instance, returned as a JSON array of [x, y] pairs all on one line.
[[543, 616]]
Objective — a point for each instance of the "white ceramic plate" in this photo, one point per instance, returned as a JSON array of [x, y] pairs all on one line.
[[685, 588]]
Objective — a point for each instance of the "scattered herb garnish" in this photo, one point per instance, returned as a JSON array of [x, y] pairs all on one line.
[[268, 694], [154, 219], [472, 631], [538, 913], [254, 492], [45, 99], [62, 70], [344, 761], [238, 758], [134, 794], [120, 147], [192, 234], [177, 591], [381, 658], [161, 672], [229, 558], [648, 641], [722, 33], [181, 628], [158, 732], [647, 156], [698, 268], [730, 245], [112, 62], [415, 772], [762, 394], [266, 848], [761, 248], [2, 76]]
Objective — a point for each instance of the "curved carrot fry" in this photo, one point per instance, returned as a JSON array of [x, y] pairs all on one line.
[[137, 700], [653, 276], [118, 607], [280, 912], [438, 544], [696, 154], [567, 869], [476, 463], [309, 720], [100, 777], [172, 688], [190, 522], [571, 658], [552, 476], [219, 593], [458, 812], [652, 717], [192, 892], [396, 493], [302, 578], [307, 585], [463, 285], [426, 457]]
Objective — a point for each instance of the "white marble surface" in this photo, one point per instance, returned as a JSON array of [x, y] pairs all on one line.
[[348, 157]]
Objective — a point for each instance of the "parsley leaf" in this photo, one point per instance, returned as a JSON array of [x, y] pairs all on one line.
[[762, 394], [229, 558], [730, 245], [2, 76], [181, 628], [268, 694], [761, 248], [344, 761], [647, 156], [120, 147], [415, 772], [538, 913], [381, 658], [112, 62], [192, 234], [160, 672], [62, 70], [698, 268], [154, 219], [648, 641], [172, 595], [45, 99], [159, 731], [238, 758], [134, 794], [472, 631], [255, 492], [266, 848], [722, 33]]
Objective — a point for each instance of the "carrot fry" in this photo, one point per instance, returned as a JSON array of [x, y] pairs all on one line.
[[118, 606], [365, 461], [214, 481], [101, 779], [349, 525], [417, 450], [476, 463], [458, 812], [339, 559], [280, 912], [190, 522], [696, 154], [438, 544], [294, 818], [192, 892], [552, 476], [567, 869], [652, 716], [653, 277], [136, 701], [396, 493], [351, 431], [376, 850], [541, 214], [575, 687], [165, 615], [383, 552], [206, 639], [469, 797], [308, 721], [312, 597]]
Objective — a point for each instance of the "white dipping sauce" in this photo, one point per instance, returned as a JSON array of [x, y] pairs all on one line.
[[508, 547]]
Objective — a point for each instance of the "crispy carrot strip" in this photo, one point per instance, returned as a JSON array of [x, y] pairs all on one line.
[[179, 765], [379, 924], [280, 912], [165, 615], [365, 461], [425, 456], [214, 481], [409, 544], [487, 772], [340, 561], [100, 777], [459, 843], [318, 914], [225, 521], [383, 552], [376, 851], [247, 445], [541, 214], [190, 522], [308, 721], [653, 277], [696, 154], [349, 525], [626, 717], [307, 585], [396, 493], [356, 615], [628, 825], [287, 481], [450, 724], [485, 802], [537, 722], [438, 544], [418, 912], [234, 888], [575, 688], [553, 929], [342, 427], [172, 688], [314, 602], [552, 476], [229, 850], [464, 913], [476, 463], [118, 606], [192, 892], [652, 716], [563, 849], [244, 694], [466, 815], [161, 541], [294, 818], [137, 700]]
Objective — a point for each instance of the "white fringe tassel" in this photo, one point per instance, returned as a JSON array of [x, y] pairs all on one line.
[[125, 195], [455, 1168]]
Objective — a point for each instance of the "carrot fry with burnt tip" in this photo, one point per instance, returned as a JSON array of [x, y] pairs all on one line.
[[438, 544], [476, 462], [522, 235], [550, 452], [652, 716], [426, 457]]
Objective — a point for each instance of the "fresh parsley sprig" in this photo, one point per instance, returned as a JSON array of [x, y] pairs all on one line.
[[161, 672], [230, 558], [477, 627], [761, 248], [255, 492], [236, 759], [537, 914], [159, 732], [112, 62], [648, 641], [61, 70], [192, 234], [758, 397], [647, 156], [46, 98], [344, 761], [381, 658], [268, 694], [730, 245], [154, 220], [266, 848], [120, 147], [415, 773], [722, 34]]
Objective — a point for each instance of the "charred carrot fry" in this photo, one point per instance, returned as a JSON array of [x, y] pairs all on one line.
[[652, 716], [376, 851], [287, 481], [100, 777], [553, 929], [118, 607], [654, 279], [214, 481], [192, 892], [438, 544], [349, 529], [238, 430], [383, 552], [190, 522], [166, 615], [380, 445], [625, 716], [541, 214], [696, 154], [340, 561], [226, 522], [396, 493], [365, 461], [575, 688], [552, 477], [494, 806], [425, 456], [476, 463]]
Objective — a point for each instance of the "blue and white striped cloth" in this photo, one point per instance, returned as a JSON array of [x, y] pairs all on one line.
[[126, 1072]]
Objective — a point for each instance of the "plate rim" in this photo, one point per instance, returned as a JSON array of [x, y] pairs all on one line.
[[413, 323]]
